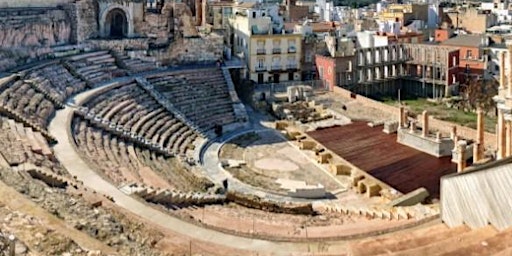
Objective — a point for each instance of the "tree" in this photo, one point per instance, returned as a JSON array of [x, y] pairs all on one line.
[[479, 93]]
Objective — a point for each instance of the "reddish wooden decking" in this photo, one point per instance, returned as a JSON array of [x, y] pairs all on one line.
[[377, 153]]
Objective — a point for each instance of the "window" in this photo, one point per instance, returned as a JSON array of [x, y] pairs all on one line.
[[469, 54], [321, 72], [261, 63]]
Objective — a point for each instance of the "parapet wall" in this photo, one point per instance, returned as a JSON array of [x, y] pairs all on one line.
[[253, 201], [434, 124]]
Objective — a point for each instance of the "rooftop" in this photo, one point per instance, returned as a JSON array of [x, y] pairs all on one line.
[[464, 40], [377, 153]]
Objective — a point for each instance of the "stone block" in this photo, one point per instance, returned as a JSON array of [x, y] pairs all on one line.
[[372, 189], [414, 197], [281, 125], [355, 177], [340, 169], [307, 144], [324, 157]]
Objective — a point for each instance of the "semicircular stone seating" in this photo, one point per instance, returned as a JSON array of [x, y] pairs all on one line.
[[202, 95], [123, 161]]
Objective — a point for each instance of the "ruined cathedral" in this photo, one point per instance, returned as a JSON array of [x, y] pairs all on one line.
[[155, 29]]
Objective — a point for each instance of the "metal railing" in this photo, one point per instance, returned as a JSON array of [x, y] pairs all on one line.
[[260, 68], [260, 51], [276, 67], [291, 66], [276, 51]]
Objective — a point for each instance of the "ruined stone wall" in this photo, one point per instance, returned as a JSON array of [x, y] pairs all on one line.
[[265, 204], [85, 15], [33, 27], [120, 44], [32, 3], [191, 50], [155, 26]]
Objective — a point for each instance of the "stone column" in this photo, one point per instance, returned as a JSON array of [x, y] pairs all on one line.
[[501, 133], [412, 126], [480, 135], [508, 142], [453, 133], [425, 124], [401, 117], [476, 153], [502, 70], [12, 245], [461, 155], [509, 75]]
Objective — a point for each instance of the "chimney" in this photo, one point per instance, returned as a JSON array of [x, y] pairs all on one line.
[[425, 124], [461, 155]]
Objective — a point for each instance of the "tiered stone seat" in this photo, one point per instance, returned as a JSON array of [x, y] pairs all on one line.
[[95, 67], [124, 162], [201, 94], [22, 99], [56, 81], [136, 65], [132, 108]]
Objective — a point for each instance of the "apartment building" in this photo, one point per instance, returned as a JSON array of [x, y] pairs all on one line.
[[405, 12], [271, 53], [473, 58]]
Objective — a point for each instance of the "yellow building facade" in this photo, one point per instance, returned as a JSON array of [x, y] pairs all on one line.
[[270, 57]]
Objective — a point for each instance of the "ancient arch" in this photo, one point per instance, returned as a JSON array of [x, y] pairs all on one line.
[[116, 21], [116, 24]]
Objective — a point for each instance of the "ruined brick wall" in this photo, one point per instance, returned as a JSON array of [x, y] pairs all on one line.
[[252, 201]]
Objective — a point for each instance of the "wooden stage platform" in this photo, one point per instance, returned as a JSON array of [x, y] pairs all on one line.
[[377, 153]]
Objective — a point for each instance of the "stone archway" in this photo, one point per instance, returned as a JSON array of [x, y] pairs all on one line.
[[116, 24], [116, 21]]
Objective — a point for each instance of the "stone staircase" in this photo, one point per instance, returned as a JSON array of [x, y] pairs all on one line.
[[437, 239], [171, 197], [168, 105], [379, 211], [238, 106], [47, 176]]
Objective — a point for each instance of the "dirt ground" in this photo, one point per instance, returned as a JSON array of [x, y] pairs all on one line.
[[270, 157], [351, 108]]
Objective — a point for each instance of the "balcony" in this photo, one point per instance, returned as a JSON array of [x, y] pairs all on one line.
[[260, 68], [291, 66], [276, 51], [276, 67], [260, 51], [292, 49]]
